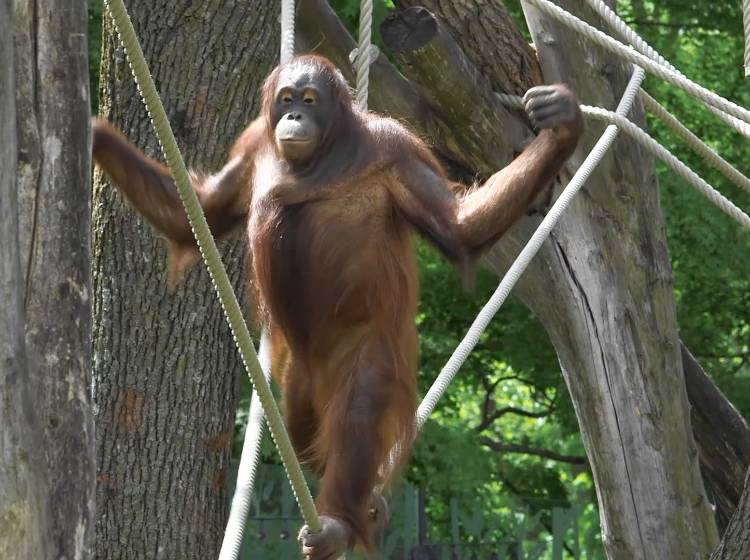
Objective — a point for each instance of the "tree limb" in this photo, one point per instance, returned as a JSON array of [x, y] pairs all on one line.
[[529, 450], [454, 88], [490, 417], [502, 54]]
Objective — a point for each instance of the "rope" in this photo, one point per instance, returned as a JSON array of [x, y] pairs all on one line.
[[608, 15], [243, 493], [674, 163], [210, 253], [746, 25], [364, 55], [638, 59], [287, 31], [640, 136], [698, 145]]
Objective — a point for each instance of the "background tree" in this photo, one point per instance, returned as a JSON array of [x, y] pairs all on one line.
[[46, 430], [23, 480], [166, 373]]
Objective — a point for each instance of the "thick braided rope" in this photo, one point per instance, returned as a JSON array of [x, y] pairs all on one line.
[[640, 136], [608, 15], [287, 31], [364, 53], [210, 253], [746, 25], [698, 145], [674, 163], [638, 59]]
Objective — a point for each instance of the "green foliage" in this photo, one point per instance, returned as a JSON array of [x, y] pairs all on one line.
[[348, 12], [514, 365]]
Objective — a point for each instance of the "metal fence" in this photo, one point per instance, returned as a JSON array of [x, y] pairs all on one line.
[[549, 534]]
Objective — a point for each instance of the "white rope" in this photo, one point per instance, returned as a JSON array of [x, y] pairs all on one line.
[[698, 145], [364, 53], [746, 25], [287, 31], [248, 469], [466, 346], [675, 164], [638, 59], [640, 136], [608, 15]]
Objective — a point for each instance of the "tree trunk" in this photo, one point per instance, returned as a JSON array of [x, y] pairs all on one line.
[[166, 371], [602, 287], [46, 428], [23, 481], [617, 340], [613, 325]]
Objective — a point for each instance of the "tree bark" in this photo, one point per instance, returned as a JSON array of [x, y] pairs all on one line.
[[602, 287], [735, 543], [450, 83], [23, 480], [47, 450], [485, 32], [166, 372]]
